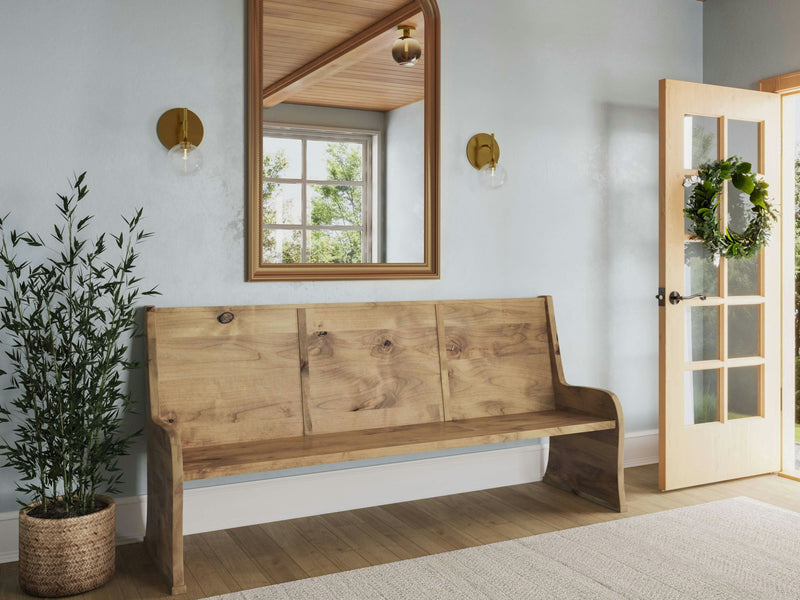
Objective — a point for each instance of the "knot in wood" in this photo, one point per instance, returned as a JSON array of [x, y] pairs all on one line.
[[225, 317], [454, 347]]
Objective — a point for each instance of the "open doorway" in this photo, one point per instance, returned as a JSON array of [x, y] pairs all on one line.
[[791, 105], [789, 88]]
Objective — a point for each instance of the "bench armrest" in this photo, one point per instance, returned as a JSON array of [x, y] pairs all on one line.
[[593, 401]]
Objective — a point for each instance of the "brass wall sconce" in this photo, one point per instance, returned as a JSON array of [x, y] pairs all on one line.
[[181, 131], [483, 153], [406, 50]]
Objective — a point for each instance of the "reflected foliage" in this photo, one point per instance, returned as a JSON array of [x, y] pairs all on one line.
[[337, 205], [329, 205], [275, 165]]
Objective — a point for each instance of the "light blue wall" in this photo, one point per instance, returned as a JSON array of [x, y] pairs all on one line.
[[745, 41], [569, 87], [405, 184]]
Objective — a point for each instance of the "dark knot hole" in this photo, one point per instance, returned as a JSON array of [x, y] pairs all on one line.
[[225, 318]]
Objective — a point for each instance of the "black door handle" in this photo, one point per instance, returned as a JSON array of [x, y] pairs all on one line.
[[675, 297]]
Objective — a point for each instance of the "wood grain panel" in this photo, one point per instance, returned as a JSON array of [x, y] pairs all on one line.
[[498, 357], [372, 366], [265, 455], [164, 534], [240, 380]]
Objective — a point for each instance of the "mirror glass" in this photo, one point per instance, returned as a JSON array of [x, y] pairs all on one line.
[[348, 140]]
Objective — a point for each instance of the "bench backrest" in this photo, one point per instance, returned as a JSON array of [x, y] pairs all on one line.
[[285, 371]]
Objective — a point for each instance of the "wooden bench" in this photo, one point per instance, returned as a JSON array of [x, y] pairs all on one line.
[[244, 389]]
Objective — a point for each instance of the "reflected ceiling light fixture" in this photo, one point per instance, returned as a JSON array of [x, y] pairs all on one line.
[[483, 154], [181, 131], [406, 50]]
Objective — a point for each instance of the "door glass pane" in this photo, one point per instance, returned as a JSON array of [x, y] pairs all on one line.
[[740, 209], [335, 161], [281, 246], [743, 277], [743, 141], [688, 225], [702, 331], [282, 203], [701, 274], [283, 157], [701, 396], [743, 322], [743, 386], [699, 140]]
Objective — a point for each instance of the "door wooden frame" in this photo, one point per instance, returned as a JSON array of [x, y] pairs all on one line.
[[733, 446], [786, 85]]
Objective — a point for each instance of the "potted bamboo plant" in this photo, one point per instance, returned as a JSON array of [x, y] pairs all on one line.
[[67, 315]]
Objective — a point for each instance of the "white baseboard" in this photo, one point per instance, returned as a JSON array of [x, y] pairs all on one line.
[[346, 489]]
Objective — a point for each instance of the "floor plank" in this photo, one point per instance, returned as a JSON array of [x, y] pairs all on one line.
[[227, 561]]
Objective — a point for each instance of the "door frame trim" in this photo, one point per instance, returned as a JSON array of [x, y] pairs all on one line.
[[786, 85]]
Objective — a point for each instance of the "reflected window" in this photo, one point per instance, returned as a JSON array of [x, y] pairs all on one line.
[[317, 201]]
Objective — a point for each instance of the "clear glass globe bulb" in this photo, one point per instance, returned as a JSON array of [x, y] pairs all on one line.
[[492, 176], [184, 158], [406, 51]]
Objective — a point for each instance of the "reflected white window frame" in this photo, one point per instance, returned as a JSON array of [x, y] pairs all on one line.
[[370, 213]]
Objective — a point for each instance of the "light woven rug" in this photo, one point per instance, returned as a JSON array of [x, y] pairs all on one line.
[[729, 549]]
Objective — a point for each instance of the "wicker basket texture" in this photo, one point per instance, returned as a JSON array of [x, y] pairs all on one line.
[[62, 557]]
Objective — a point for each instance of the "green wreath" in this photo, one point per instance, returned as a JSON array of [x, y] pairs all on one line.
[[702, 208]]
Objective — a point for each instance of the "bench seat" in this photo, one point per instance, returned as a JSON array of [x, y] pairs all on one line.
[[267, 455], [246, 389]]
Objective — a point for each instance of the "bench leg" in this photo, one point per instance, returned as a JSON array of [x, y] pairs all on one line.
[[589, 465], [164, 534]]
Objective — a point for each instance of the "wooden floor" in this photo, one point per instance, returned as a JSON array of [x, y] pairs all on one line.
[[249, 557]]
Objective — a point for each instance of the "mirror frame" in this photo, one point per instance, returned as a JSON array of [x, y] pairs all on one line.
[[258, 271]]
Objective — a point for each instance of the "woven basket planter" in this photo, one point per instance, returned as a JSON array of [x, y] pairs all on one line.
[[62, 557]]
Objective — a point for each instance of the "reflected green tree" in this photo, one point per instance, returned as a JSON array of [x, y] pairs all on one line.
[[275, 165], [337, 205]]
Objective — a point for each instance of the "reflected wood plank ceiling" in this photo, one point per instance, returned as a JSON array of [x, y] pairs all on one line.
[[299, 32]]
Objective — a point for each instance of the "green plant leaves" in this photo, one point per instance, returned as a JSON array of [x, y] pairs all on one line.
[[66, 320], [702, 206], [743, 182]]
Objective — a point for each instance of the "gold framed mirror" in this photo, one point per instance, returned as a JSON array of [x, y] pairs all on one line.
[[343, 140]]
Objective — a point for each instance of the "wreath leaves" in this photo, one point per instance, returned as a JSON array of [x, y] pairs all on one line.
[[703, 208]]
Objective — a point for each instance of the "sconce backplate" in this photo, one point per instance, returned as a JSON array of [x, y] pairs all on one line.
[[479, 150], [170, 128]]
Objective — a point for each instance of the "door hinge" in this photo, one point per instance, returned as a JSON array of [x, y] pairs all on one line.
[[660, 297]]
